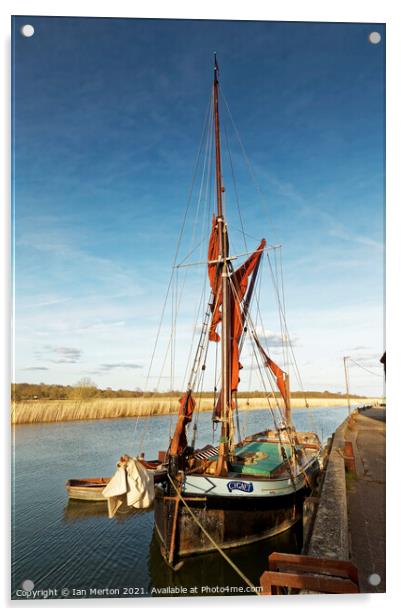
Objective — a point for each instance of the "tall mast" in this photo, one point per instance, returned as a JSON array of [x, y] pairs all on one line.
[[223, 254]]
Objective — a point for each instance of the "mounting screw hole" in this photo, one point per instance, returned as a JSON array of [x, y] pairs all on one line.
[[374, 579], [27, 30], [28, 585], [374, 38]]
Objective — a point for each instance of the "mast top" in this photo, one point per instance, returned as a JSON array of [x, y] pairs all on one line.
[[216, 68]]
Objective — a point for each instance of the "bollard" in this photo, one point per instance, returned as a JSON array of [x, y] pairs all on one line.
[[349, 457]]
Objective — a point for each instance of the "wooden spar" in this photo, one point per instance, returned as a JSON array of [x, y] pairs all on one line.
[[288, 408], [222, 465], [347, 382], [250, 291], [173, 533]]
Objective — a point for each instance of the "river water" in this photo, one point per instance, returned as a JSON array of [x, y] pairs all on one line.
[[75, 547]]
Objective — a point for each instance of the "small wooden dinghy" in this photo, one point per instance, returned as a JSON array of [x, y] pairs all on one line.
[[90, 489]]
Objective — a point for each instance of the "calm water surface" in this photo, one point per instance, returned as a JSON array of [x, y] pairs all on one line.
[[74, 545]]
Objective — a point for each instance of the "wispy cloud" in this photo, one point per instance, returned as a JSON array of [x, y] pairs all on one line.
[[128, 365], [98, 201], [331, 225], [275, 339], [285, 188], [50, 302], [35, 368], [341, 232], [102, 325], [60, 354]]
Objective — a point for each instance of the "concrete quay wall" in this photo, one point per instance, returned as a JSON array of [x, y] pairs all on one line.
[[330, 534]]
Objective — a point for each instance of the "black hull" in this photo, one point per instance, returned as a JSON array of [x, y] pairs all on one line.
[[231, 522]]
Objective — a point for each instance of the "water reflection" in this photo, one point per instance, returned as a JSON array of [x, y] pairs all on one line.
[[204, 572], [77, 510], [208, 571], [80, 510], [60, 543]]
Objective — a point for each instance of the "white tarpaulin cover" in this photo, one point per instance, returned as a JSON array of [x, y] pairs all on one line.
[[132, 484]]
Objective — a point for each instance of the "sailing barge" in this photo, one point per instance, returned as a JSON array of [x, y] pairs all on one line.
[[238, 492]]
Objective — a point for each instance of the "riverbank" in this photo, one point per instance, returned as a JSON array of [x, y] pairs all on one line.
[[350, 519], [365, 489], [49, 411]]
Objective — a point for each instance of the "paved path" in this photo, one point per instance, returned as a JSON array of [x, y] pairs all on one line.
[[366, 498]]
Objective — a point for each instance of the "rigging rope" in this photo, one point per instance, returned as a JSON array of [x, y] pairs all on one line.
[[366, 369], [246, 159], [235, 188], [251, 331], [202, 297], [283, 298], [181, 233], [281, 301], [287, 341], [288, 338], [206, 127], [216, 546]]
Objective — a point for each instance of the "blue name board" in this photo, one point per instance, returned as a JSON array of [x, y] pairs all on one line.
[[243, 486]]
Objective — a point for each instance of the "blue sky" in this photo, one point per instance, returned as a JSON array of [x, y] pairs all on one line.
[[107, 118]]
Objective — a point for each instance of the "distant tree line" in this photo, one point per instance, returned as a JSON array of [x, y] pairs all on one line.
[[86, 389]]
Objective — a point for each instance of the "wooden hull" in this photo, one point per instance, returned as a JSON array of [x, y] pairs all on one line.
[[89, 489], [231, 521], [230, 524]]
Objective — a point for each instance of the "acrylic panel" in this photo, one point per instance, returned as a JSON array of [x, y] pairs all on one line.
[[198, 396]]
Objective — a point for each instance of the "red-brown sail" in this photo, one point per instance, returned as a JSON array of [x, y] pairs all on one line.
[[279, 374], [179, 440], [239, 285], [214, 280], [238, 288]]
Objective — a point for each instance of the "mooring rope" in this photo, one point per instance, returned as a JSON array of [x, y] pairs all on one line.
[[216, 546]]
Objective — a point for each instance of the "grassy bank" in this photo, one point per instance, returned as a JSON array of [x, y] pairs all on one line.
[[45, 411]]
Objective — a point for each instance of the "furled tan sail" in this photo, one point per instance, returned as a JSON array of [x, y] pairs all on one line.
[[132, 484]]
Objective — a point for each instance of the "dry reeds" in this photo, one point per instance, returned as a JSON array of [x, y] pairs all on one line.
[[107, 408], [45, 411]]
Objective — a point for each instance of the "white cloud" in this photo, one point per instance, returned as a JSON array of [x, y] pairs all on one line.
[[124, 365]]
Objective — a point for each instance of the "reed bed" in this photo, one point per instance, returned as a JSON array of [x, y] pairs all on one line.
[[49, 411]]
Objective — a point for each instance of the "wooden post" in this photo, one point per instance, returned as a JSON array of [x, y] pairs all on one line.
[[347, 382], [173, 533]]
